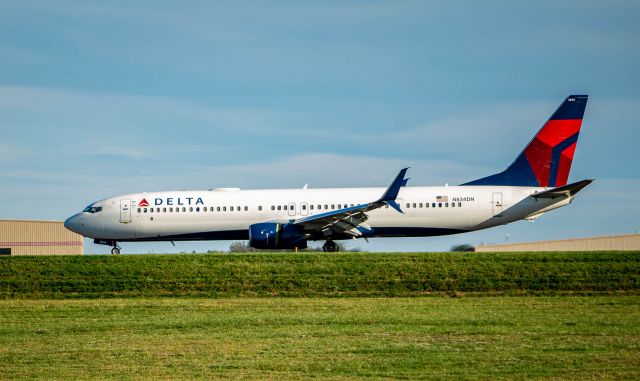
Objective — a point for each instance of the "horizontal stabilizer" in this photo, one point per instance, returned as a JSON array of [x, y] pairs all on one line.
[[566, 190]]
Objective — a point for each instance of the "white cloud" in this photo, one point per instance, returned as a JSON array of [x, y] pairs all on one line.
[[76, 105], [9, 153]]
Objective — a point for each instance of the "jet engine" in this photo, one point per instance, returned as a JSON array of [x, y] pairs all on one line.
[[274, 236]]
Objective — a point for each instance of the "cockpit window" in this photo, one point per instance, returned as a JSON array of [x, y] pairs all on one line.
[[92, 209]]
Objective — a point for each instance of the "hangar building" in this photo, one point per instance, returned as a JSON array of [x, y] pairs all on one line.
[[19, 237], [627, 242]]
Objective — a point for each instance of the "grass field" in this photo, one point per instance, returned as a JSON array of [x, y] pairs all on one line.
[[330, 316], [319, 274], [489, 338]]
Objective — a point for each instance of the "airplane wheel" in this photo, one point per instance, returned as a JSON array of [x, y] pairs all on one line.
[[115, 250], [330, 247]]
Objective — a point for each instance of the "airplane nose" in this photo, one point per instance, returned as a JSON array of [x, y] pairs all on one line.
[[73, 223]]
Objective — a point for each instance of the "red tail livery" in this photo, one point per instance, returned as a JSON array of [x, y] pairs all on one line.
[[546, 160]]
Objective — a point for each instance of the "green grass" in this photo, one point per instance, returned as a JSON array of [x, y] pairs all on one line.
[[559, 316], [489, 338], [319, 274]]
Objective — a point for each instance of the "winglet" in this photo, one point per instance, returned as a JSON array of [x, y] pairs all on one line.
[[389, 197]]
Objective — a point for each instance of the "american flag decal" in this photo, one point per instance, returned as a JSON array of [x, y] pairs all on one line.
[[442, 198]]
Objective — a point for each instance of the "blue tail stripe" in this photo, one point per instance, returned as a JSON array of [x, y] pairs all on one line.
[[555, 158], [519, 172], [571, 109]]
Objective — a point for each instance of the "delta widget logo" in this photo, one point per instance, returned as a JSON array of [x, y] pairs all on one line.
[[171, 201]]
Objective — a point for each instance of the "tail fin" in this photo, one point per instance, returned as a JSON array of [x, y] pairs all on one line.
[[546, 160]]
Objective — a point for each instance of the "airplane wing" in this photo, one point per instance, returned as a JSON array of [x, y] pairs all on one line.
[[348, 220], [564, 191]]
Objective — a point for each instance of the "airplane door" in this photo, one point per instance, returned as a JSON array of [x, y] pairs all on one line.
[[497, 204], [292, 209], [125, 210], [304, 209]]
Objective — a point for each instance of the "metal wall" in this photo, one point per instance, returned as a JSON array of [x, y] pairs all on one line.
[[38, 238], [620, 242]]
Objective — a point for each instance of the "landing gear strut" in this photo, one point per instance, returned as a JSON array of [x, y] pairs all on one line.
[[330, 247], [108, 242]]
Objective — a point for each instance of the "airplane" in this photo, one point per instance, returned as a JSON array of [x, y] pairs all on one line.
[[535, 183]]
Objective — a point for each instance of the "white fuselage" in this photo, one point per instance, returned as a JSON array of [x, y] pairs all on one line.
[[226, 214]]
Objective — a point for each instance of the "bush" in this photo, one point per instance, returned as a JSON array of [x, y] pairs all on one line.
[[463, 247]]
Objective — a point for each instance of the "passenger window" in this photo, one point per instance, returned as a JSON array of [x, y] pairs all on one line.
[[426, 204], [224, 208], [284, 207], [279, 207], [231, 208], [273, 207], [164, 210], [197, 209], [414, 204], [139, 210], [239, 209], [446, 204], [304, 207], [204, 209], [408, 205], [352, 205], [311, 207], [177, 210], [459, 204], [433, 204], [319, 207], [333, 206], [217, 208], [259, 207], [439, 205], [191, 208], [150, 210], [420, 205], [184, 209], [453, 204], [171, 209]]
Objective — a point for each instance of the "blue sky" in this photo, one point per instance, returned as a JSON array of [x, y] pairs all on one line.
[[103, 98]]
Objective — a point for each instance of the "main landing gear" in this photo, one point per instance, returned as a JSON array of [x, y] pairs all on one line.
[[330, 247], [116, 249]]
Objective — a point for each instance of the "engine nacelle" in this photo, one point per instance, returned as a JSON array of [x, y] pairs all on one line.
[[273, 236]]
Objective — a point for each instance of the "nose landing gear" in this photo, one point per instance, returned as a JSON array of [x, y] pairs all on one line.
[[108, 242]]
